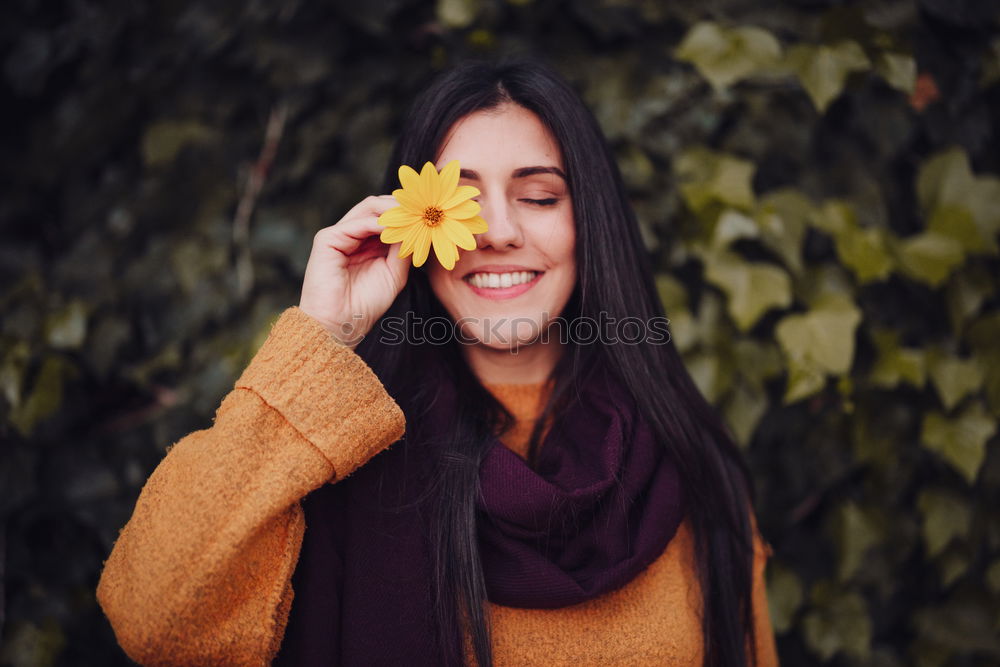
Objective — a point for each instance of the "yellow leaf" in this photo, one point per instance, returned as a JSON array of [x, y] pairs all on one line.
[[752, 288], [960, 441], [823, 69], [726, 55], [818, 342]]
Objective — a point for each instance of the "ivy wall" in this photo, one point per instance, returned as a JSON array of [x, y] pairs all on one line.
[[817, 179]]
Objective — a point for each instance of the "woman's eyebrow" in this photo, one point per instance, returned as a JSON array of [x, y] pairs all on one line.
[[523, 172]]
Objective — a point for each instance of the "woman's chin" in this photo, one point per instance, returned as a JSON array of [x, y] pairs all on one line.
[[503, 338]]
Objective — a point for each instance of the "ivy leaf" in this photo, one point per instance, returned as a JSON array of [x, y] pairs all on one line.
[[983, 335], [782, 217], [744, 408], [26, 642], [804, 380], [709, 179], [725, 55], [672, 293], [967, 291], [822, 280], [961, 626], [673, 296], [954, 378], [898, 69], [683, 329], [823, 69], [956, 222], [945, 516], [758, 361], [856, 533], [67, 328], [960, 441], [834, 217], [896, 364], [818, 342], [13, 372], [991, 65], [752, 288], [784, 597], [638, 170], [46, 394], [864, 251], [709, 322], [946, 181], [929, 257], [163, 140], [732, 226], [839, 621], [710, 373], [945, 178], [457, 13], [952, 565]]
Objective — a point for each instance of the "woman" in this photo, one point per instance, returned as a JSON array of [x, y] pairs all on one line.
[[558, 497]]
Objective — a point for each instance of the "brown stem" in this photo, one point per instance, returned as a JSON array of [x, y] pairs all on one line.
[[255, 183]]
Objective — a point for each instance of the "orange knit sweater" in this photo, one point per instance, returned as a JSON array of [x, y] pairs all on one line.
[[201, 574]]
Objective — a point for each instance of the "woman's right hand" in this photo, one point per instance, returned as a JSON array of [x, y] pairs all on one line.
[[352, 277]]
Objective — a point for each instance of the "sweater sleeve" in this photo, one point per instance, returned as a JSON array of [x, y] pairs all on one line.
[[201, 573]]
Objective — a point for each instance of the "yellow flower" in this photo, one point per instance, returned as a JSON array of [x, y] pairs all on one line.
[[434, 211]]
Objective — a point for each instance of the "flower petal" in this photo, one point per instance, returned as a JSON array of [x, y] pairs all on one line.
[[408, 243], [421, 245], [430, 181], [449, 179], [409, 179], [459, 234], [392, 235], [462, 193], [444, 248], [466, 209], [475, 225], [410, 201], [398, 217]]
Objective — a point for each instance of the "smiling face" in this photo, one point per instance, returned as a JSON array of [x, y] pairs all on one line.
[[523, 270]]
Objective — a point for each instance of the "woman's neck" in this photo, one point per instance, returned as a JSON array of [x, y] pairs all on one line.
[[530, 364]]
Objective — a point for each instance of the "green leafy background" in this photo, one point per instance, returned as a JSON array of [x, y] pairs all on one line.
[[818, 181]]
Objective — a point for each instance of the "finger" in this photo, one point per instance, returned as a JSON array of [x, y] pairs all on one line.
[[399, 267], [349, 234], [358, 224], [371, 248], [374, 205], [359, 229]]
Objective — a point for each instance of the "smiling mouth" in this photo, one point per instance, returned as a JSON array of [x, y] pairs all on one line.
[[487, 280]]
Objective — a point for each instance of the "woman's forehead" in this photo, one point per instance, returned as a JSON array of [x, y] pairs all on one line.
[[506, 139]]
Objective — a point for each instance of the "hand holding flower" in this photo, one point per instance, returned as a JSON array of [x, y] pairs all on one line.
[[352, 278], [434, 211]]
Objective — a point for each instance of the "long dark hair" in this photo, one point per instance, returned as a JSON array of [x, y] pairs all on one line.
[[614, 276]]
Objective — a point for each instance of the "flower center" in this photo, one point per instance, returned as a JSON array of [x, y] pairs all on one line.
[[433, 216]]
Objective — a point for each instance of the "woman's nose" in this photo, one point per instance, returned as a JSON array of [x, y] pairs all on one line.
[[504, 228]]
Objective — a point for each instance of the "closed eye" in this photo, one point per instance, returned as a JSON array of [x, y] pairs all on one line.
[[541, 202]]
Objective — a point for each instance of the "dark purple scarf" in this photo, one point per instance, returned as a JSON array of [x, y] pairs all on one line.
[[601, 506]]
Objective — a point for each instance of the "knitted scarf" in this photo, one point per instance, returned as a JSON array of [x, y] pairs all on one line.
[[601, 504]]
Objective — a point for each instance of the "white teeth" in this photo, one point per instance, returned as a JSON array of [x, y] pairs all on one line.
[[500, 280]]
